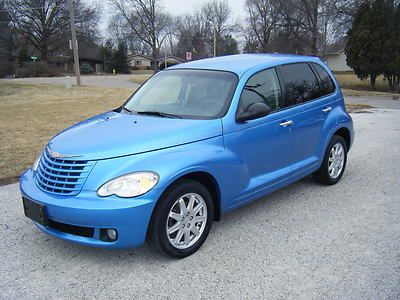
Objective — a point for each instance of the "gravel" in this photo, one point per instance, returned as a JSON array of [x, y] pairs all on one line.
[[306, 241]]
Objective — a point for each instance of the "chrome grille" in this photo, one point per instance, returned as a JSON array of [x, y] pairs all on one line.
[[62, 176]]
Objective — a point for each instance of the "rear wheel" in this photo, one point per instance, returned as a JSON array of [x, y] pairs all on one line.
[[182, 219], [334, 162]]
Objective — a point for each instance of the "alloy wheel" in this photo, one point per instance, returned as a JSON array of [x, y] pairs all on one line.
[[186, 220], [336, 160]]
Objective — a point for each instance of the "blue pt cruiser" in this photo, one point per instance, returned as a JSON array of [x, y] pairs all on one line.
[[194, 142]]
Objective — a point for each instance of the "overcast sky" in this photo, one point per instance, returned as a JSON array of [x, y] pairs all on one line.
[[176, 8]]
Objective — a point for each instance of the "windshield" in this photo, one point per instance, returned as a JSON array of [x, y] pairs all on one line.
[[200, 94]]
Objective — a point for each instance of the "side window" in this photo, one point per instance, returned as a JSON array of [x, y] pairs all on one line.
[[262, 87], [301, 85], [327, 85]]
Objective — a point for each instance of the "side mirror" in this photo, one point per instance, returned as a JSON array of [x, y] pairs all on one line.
[[254, 111]]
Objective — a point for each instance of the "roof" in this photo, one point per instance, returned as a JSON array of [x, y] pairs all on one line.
[[336, 48], [161, 58], [241, 63], [132, 56]]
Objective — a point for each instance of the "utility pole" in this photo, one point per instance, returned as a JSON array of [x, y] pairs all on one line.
[[74, 43]]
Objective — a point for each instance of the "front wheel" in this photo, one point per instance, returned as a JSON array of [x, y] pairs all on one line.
[[182, 219], [334, 163]]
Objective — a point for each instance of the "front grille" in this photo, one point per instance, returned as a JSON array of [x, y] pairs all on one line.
[[62, 176]]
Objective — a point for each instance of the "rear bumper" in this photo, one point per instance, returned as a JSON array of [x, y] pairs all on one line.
[[130, 217]]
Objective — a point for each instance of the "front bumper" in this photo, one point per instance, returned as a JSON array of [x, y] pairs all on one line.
[[130, 217]]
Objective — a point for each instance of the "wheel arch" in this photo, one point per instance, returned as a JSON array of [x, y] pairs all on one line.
[[203, 177], [344, 132]]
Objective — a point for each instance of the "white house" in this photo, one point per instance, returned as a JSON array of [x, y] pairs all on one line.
[[171, 60], [139, 61], [336, 58], [337, 61]]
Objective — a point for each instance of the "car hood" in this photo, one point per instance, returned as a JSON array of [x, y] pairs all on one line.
[[115, 134]]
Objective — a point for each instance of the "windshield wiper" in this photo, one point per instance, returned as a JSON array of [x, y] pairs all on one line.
[[159, 114]]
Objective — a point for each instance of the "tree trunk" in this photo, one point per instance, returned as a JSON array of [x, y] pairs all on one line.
[[372, 81], [396, 83], [315, 32], [155, 57], [390, 80]]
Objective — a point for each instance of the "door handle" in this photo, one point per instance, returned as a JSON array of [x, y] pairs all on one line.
[[286, 123], [327, 109]]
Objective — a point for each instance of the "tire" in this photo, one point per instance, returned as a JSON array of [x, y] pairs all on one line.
[[170, 214], [330, 171]]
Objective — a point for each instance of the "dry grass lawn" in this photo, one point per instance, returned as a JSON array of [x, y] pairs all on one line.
[[31, 114], [352, 82], [140, 78]]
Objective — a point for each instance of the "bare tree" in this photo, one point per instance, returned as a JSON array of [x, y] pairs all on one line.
[[264, 18], [44, 23], [147, 22], [217, 16], [315, 23]]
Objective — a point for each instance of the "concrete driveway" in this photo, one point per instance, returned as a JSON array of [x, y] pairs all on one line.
[[304, 242]]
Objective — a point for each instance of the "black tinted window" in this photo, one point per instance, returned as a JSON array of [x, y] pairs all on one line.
[[300, 83], [262, 87], [326, 83]]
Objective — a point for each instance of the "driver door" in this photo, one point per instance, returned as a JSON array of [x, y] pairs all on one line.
[[262, 146]]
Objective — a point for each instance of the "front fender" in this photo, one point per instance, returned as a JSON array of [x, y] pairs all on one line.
[[170, 164]]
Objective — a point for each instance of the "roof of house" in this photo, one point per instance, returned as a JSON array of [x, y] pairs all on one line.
[[241, 63], [336, 48], [161, 58], [132, 56]]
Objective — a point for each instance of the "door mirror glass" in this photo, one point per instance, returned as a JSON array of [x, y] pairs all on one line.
[[254, 111]]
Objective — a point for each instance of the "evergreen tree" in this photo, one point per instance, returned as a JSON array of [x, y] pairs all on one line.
[[229, 45], [106, 51], [121, 59], [373, 46], [6, 43]]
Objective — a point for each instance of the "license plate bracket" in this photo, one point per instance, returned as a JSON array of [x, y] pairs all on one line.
[[35, 211]]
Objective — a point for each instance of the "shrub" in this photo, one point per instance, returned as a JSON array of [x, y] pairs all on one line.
[[6, 69], [42, 69], [86, 69]]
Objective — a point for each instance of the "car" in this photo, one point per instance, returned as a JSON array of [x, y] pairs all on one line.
[[192, 143]]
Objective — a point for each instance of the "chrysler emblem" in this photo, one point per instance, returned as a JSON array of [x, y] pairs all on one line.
[[55, 154]]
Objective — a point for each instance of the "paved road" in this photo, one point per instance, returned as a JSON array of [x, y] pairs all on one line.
[[306, 241], [117, 81]]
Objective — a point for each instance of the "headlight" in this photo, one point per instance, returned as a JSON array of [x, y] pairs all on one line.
[[36, 163], [129, 185]]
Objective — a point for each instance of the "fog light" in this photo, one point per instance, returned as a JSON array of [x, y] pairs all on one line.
[[108, 235], [112, 234]]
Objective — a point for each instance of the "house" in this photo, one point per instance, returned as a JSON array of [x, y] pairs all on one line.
[[139, 61], [89, 53], [143, 62], [171, 60], [336, 58]]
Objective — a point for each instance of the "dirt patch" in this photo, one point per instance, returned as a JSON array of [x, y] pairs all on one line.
[[358, 108]]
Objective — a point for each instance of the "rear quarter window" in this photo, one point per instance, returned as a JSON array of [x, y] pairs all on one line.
[[326, 83]]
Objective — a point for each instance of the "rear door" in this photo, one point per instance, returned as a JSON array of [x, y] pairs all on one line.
[[310, 102]]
